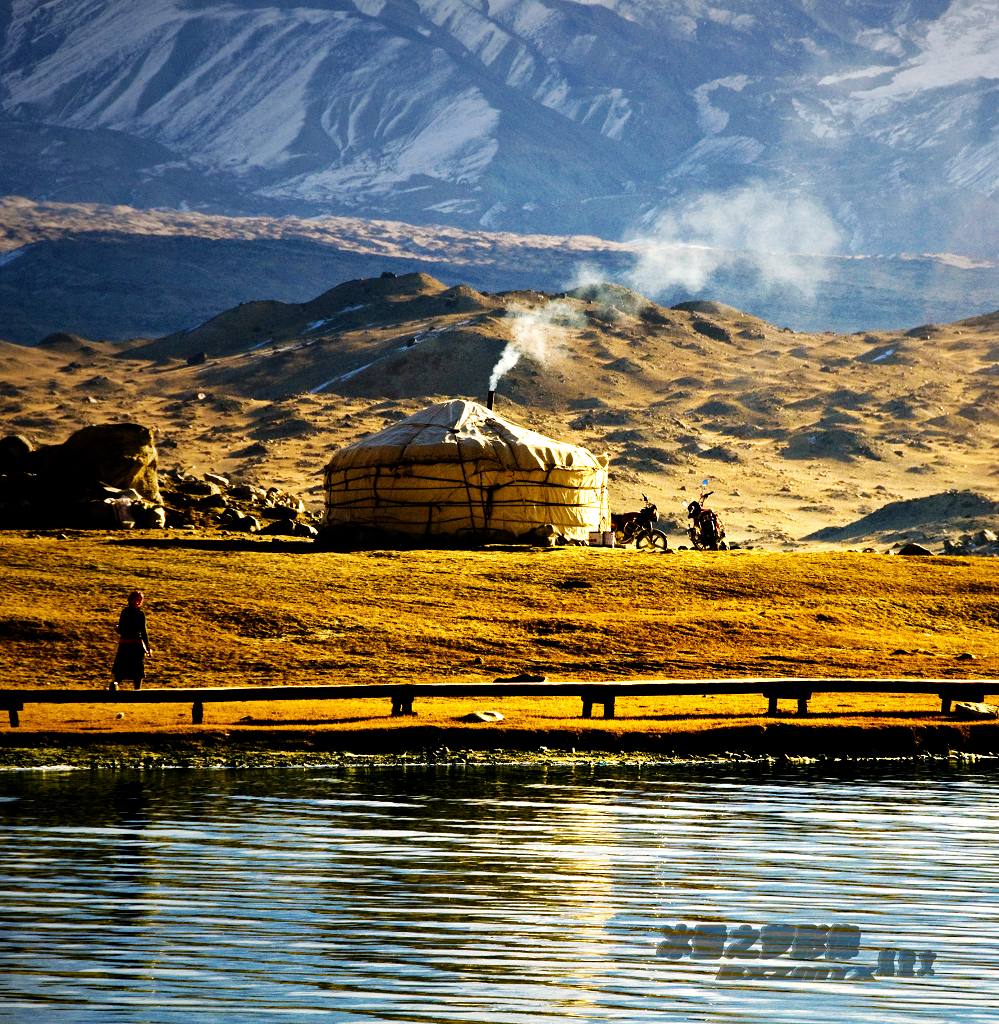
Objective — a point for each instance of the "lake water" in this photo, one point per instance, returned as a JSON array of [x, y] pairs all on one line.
[[503, 894]]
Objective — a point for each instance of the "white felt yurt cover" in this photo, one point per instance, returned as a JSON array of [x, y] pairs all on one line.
[[457, 468]]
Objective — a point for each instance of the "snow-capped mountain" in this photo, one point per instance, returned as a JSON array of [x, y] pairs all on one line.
[[600, 116]]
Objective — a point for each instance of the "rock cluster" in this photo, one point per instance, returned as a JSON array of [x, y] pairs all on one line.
[[102, 476], [106, 477], [213, 500], [982, 542]]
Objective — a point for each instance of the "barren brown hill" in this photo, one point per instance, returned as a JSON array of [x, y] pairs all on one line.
[[797, 432]]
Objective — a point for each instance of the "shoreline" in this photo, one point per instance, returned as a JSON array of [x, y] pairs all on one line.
[[429, 744]]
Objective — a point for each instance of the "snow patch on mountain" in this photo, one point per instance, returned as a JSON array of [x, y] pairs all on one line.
[[961, 46], [713, 119], [874, 71], [372, 8], [451, 141]]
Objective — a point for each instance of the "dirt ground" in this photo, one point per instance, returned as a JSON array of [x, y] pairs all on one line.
[[228, 611]]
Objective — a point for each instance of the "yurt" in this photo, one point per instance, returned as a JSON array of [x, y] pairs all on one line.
[[457, 469]]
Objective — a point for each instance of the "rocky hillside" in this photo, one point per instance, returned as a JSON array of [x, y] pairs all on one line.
[[797, 432]]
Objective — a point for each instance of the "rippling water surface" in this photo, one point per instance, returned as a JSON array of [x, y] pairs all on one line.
[[499, 895]]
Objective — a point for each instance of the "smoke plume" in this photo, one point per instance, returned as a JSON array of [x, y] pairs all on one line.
[[538, 333], [507, 361], [775, 240], [755, 230]]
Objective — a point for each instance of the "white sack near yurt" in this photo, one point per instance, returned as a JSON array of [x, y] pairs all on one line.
[[458, 469]]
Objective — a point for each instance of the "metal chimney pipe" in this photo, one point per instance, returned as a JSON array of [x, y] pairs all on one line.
[[491, 398]]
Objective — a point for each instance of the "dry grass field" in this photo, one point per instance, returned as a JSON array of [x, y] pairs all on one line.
[[224, 610]]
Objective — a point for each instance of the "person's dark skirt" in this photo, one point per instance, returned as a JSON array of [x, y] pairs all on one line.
[[129, 663]]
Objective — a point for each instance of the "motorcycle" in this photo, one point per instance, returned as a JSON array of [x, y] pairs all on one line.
[[706, 532], [639, 527]]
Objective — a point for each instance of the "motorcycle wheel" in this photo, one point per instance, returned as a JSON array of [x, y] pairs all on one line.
[[654, 539]]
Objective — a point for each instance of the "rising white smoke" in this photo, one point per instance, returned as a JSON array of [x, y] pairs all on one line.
[[538, 333], [508, 359], [778, 238]]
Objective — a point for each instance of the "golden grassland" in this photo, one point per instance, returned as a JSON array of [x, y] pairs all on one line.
[[227, 611]]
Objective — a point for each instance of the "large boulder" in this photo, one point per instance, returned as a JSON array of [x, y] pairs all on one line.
[[121, 455], [15, 449]]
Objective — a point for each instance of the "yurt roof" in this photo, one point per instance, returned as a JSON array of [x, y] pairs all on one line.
[[460, 430]]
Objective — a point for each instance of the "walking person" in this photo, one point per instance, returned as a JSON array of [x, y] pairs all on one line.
[[133, 643]]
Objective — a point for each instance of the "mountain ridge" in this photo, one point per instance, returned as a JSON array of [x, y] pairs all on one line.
[[118, 272], [562, 116]]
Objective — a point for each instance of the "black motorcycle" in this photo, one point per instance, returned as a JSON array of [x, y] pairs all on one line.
[[639, 527], [706, 532]]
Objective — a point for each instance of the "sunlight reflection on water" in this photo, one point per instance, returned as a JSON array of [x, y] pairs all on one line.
[[542, 894]]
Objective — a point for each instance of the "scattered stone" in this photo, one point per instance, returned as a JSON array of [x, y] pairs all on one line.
[[964, 656], [233, 519], [914, 549], [217, 478], [289, 528], [974, 709], [149, 517], [192, 485], [482, 716], [272, 511], [121, 510], [523, 677]]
